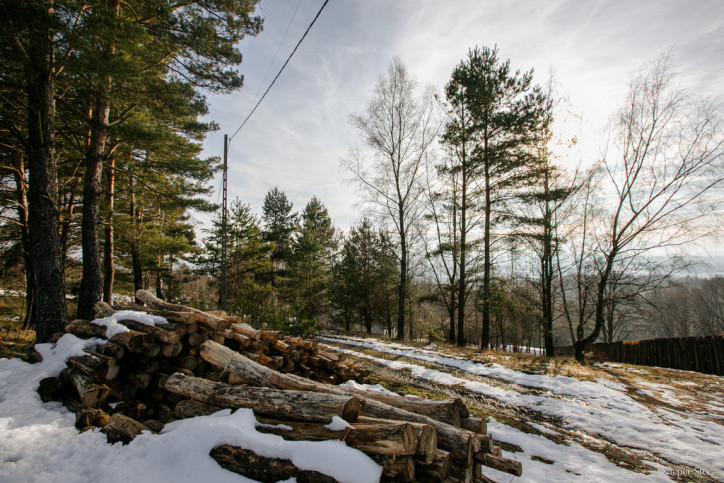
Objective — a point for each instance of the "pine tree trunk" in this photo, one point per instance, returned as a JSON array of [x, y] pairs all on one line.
[[22, 207], [91, 285], [135, 249], [485, 337], [463, 252], [108, 267], [43, 213]]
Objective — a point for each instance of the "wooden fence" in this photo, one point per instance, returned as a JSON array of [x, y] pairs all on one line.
[[700, 354]]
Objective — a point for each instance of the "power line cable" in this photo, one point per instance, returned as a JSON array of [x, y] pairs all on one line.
[[280, 70], [294, 15]]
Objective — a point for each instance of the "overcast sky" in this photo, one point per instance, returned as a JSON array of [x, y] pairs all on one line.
[[296, 138]]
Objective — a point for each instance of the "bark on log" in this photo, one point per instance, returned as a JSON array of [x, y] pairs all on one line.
[[190, 408], [247, 463], [186, 318], [208, 320], [503, 464], [90, 394], [401, 468], [122, 428], [446, 410], [299, 405], [102, 309], [171, 350], [97, 368], [476, 425], [435, 470], [132, 340], [246, 330], [91, 417], [426, 435], [381, 437], [158, 333]]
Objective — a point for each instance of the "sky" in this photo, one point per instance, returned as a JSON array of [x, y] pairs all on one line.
[[301, 131]]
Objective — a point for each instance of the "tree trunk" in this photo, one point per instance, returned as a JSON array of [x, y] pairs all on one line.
[[299, 405], [108, 269], [463, 252], [485, 336], [43, 218], [247, 463], [91, 285], [374, 436], [22, 206], [402, 291]]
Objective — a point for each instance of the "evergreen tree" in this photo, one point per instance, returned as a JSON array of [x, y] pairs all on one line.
[[310, 266], [279, 226], [506, 111]]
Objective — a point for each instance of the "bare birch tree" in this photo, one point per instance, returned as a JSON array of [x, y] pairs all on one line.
[[664, 171], [399, 126]]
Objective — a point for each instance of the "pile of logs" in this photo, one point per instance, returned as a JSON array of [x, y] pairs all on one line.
[[202, 362]]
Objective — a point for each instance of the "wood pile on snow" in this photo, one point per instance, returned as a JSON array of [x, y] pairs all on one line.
[[193, 363]]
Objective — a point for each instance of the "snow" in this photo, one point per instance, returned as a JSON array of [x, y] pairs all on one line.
[[337, 424], [39, 443], [571, 462], [113, 326], [352, 384], [591, 406]]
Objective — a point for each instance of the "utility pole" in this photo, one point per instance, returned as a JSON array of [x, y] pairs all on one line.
[[224, 261]]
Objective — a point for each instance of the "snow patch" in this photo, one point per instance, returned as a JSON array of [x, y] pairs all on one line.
[[338, 424], [352, 384], [113, 327]]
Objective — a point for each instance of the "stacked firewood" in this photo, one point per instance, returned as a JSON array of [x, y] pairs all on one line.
[[202, 362]]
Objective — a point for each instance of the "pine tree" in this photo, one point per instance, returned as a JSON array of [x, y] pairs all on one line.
[[279, 226], [310, 266], [506, 111]]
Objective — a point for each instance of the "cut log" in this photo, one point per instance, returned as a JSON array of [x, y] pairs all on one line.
[[457, 441], [122, 428], [132, 340], [90, 395], [91, 417], [49, 386], [483, 444], [196, 339], [171, 350], [246, 330], [213, 322], [503, 464], [298, 405], [281, 347], [435, 470], [381, 437], [180, 329], [445, 410], [401, 468], [84, 329], [476, 425], [247, 463], [102, 309], [426, 435], [270, 335], [190, 408], [99, 368], [112, 349], [158, 333], [154, 425], [186, 318]]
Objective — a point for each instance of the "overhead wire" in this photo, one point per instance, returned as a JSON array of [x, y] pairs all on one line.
[[266, 74], [280, 70]]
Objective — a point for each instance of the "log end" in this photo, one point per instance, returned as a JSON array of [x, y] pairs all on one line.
[[352, 410]]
